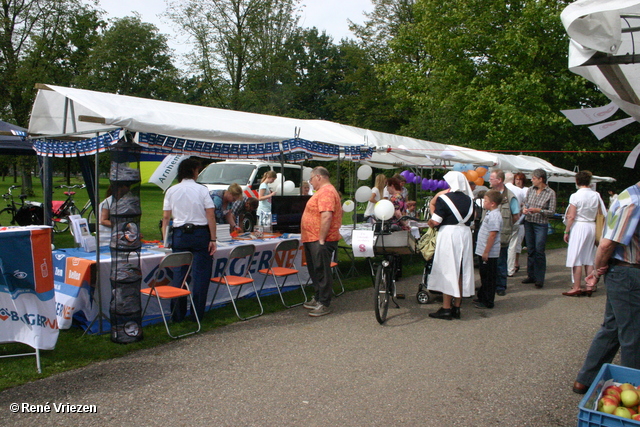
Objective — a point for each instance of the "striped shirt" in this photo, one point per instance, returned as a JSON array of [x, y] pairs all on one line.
[[546, 200], [622, 225]]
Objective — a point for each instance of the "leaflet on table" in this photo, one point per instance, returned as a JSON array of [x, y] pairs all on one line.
[[362, 243], [81, 233]]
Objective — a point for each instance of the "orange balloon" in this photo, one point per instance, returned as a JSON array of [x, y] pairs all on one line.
[[479, 181], [472, 175], [481, 171]]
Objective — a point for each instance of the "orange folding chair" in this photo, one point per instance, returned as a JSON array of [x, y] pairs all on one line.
[[239, 259], [285, 254], [167, 292]]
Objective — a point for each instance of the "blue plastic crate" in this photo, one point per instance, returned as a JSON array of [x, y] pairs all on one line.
[[588, 417]]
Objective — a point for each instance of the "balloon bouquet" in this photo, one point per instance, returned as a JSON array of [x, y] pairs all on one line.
[[362, 195]]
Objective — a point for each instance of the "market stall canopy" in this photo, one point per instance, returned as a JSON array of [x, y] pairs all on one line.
[[13, 141], [167, 127], [61, 113], [602, 48]]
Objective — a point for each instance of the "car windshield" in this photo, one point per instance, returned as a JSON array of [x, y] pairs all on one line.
[[225, 174]]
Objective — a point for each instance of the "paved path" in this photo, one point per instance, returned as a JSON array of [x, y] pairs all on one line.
[[510, 366]]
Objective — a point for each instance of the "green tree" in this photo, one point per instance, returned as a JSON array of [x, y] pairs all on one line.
[[40, 41], [489, 75], [131, 58], [232, 39]]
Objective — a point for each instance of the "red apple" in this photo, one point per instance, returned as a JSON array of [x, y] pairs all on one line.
[[633, 410], [629, 398], [623, 412], [635, 417], [613, 387], [626, 386], [612, 391], [607, 405]]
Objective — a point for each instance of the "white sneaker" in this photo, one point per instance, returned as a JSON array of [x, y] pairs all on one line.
[[311, 304], [320, 310]]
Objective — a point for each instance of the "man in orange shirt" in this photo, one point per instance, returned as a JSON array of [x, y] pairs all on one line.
[[321, 223]]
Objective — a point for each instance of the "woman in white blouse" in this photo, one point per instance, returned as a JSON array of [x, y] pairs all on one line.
[[580, 232], [376, 194]]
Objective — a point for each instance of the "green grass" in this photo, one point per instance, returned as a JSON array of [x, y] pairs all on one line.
[[75, 350]]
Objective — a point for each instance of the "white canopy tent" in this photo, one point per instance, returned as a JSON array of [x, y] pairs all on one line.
[[602, 47], [602, 50], [60, 113], [217, 133]]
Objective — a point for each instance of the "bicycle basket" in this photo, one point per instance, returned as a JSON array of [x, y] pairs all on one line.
[[427, 243]]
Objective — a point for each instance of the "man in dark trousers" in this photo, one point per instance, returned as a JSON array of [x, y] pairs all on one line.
[[320, 224], [618, 260]]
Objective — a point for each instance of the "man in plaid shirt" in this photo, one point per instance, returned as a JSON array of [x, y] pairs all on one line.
[[540, 204]]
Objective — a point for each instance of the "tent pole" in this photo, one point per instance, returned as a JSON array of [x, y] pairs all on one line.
[[98, 289]]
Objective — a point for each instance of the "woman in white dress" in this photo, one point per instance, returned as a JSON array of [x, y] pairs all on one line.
[[376, 194], [580, 232], [452, 271]]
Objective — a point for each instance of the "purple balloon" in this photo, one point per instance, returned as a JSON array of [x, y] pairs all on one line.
[[444, 185], [424, 184], [417, 179], [405, 173]]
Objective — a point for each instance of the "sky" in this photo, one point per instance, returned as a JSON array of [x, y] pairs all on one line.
[[329, 15]]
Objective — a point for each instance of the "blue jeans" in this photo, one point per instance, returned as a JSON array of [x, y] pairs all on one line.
[[621, 326], [536, 235], [198, 244], [501, 271]]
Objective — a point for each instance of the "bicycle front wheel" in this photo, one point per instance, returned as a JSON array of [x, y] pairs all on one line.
[[382, 297], [62, 223], [7, 217]]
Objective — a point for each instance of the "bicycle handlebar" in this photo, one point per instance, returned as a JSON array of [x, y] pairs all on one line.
[[72, 186]]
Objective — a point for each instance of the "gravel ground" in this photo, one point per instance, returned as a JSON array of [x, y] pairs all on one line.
[[512, 366]]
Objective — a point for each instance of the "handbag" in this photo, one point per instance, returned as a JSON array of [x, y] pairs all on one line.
[[601, 218], [427, 243], [599, 227]]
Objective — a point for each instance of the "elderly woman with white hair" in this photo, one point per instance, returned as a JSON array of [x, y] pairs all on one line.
[[452, 271]]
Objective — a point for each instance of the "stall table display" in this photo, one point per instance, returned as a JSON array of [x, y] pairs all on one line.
[[27, 304], [75, 281]]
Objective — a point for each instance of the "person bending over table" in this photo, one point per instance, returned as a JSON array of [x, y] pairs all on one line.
[[194, 230], [223, 201], [240, 209]]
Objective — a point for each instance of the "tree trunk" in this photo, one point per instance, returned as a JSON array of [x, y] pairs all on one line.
[[27, 181]]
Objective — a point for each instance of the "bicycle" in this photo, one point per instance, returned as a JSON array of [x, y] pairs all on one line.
[[62, 209], [385, 274], [28, 213]]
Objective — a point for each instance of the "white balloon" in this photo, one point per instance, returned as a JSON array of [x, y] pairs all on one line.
[[306, 174], [364, 172], [289, 187], [384, 210], [363, 194], [348, 206]]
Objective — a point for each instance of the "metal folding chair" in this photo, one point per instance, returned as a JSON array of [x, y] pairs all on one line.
[[163, 291], [236, 273], [285, 255]]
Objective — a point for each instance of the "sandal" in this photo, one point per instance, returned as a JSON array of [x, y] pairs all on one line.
[[573, 293], [589, 290]]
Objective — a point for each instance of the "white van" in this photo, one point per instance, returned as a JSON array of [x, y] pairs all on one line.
[[248, 174]]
